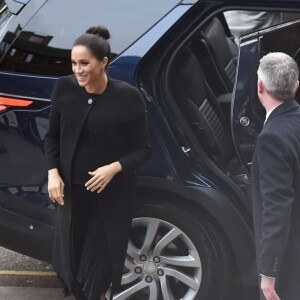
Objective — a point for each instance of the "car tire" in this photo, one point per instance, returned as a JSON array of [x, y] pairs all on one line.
[[175, 252]]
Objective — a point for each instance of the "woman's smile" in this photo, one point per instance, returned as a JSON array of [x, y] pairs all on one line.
[[81, 78]]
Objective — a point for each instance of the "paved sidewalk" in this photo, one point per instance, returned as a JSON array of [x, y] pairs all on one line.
[[32, 293]]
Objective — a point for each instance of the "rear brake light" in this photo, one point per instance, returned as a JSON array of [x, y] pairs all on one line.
[[13, 102]]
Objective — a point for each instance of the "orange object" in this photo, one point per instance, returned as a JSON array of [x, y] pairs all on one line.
[[13, 102]]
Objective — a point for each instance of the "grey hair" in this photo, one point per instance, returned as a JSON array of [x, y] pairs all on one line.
[[279, 73]]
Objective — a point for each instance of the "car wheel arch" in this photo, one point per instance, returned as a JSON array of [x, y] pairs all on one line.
[[219, 209]]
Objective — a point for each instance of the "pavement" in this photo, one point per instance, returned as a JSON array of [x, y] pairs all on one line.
[[22, 277], [32, 293]]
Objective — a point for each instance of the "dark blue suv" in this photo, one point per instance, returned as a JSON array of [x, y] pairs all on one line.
[[192, 231]]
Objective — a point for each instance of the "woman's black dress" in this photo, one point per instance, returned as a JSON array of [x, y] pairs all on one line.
[[90, 253]]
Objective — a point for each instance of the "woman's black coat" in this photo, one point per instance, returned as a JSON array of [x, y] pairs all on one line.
[[118, 132]]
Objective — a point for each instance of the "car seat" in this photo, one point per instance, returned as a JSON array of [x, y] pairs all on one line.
[[200, 106], [218, 56]]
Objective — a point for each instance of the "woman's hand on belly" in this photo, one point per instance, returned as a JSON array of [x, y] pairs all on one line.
[[55, 186], [102, 176]]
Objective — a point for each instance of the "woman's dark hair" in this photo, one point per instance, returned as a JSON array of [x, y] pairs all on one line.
[[96, 40]]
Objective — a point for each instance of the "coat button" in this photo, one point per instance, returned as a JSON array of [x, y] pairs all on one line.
[[90, 101]]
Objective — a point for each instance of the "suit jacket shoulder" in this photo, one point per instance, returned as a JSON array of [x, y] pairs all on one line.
[[285, 124]]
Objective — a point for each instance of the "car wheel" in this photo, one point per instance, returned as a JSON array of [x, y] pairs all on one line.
[[174, 254]]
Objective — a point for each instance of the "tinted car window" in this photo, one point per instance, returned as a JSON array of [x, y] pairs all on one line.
[[43, 45]]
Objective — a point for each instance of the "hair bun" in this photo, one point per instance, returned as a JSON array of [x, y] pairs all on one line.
[[99, 31]]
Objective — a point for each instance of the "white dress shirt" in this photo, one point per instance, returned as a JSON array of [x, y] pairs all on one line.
[[269, 112]]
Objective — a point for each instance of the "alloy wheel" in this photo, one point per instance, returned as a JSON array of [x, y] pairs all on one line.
[[161, 263]]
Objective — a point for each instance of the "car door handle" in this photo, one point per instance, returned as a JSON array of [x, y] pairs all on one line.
[[186, 150]]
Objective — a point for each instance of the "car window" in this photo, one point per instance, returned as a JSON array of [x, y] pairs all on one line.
[[43, 45], [242, 22]]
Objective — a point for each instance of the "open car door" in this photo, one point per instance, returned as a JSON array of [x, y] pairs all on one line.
[[248, 115]]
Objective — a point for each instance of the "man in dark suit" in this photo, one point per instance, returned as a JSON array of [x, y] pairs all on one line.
[[276, 180]]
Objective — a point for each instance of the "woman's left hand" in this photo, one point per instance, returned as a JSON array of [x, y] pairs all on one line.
[[102, 176]]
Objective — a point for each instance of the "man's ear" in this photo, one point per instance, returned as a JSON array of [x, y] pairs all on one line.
[[297, 85], [260, 86]]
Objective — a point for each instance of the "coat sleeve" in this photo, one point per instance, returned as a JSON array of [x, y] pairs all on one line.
[[52, 138], [275, 169], [138, 137]]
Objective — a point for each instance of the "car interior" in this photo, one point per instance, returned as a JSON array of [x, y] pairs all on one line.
[[202, 79], [217, 53]]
